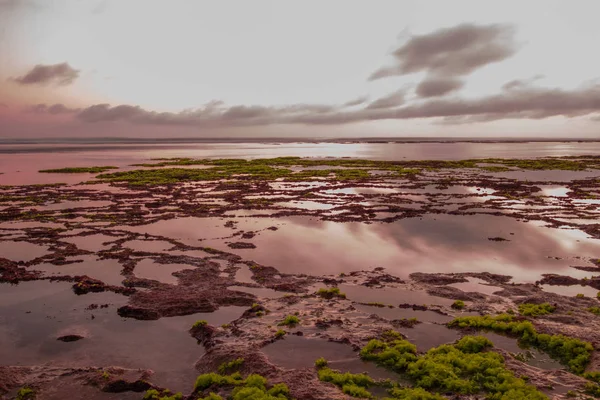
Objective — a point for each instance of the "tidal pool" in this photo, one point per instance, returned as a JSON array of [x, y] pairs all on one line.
[[432, 243], [34, 314]]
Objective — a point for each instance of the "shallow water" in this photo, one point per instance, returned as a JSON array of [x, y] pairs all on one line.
[[427, 335], [91, 242], [538, 358], [299, 352], [21, 251], [108, 271], [390, 296], [404, 313], [476, 285], [439, 243], [574, 290], [305, 245], [21, 162], [34, 314]]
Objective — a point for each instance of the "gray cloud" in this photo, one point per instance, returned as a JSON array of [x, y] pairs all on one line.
[[531, 103], [434, 87], [390, 101], [59, 74], [356, 102], [517, 84], [53, 109], [455, 51]]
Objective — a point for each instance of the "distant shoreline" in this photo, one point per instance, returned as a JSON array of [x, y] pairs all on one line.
[[175, 141]]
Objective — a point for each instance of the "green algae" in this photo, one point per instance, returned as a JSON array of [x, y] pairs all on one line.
[[535, 310], [254, 387], [79, 170], [571, 352]]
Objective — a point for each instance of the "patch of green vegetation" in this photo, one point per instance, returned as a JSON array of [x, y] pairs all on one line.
[[413, 394], [494, 168], [212, 396], [375, 304], [79, 170], [463, 368], [205, 381], [331, 293], [290, 320], [199, 324], [572, 352], [346, 169], [280, 333], [231, 365], [254, 387], [580, 296], [593, 389], [25, 394], [594, 310], [458, 304], [154, 394], [535, 310], [321, 362], [354, 385], [105, 375], [592, 376]]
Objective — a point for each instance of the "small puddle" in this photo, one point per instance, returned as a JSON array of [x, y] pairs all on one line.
[[537, 358], [75, 204], [21, 251], [402, 313], [243, 274], [391, 296], [91, 242], [571, 291], [299, 352], [149, 246], [306, 205], [426, 335], [476, 285], [108, 271]]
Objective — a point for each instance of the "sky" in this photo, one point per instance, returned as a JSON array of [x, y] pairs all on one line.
[[283, 68]]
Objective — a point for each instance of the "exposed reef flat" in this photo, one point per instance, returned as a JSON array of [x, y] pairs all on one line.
[[289, 277]]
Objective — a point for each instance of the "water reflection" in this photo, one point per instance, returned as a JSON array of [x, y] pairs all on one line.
[[38, 312], [439, 243]]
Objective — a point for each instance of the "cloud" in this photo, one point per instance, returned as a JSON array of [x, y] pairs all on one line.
[[434, 87], [392, 100], [530, 103], [212, 114], [455, 51], [53, 109], [517, 84], [59, 74], [356, 102]]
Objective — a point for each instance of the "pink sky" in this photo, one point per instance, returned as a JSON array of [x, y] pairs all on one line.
[[145, 68]]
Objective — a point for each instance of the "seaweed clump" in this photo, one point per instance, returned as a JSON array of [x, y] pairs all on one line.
[[79, 170], [253, 387], [574, 353], [534, 310], [465, 368], [331, 293]]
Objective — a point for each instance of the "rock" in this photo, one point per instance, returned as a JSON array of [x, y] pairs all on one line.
[[70, 338]]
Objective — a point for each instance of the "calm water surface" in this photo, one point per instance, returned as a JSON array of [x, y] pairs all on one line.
[[20, 162]]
